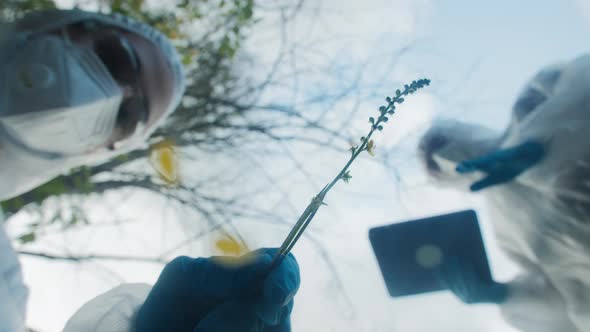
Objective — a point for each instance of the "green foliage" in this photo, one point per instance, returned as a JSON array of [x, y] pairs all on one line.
[[13, 9], [176, 22], [79, 181], [12, 205], [27, 238], [60, 219]]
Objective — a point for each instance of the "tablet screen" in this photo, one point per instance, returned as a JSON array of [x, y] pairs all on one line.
[[409, 253]]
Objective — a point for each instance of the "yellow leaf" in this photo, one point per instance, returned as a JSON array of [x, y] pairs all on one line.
[[371, 148], [230, 246], [165, 161], [233, 252]]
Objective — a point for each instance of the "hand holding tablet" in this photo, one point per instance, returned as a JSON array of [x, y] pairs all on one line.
[[436, 253]]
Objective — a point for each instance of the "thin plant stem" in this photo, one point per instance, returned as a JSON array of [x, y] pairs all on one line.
[[366, 145]]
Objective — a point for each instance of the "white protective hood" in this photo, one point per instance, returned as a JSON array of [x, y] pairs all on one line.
[[21, 172], [541, 218]]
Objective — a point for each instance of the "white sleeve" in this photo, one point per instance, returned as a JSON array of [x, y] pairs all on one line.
[[534, 305], [13, 292], [113, 311]]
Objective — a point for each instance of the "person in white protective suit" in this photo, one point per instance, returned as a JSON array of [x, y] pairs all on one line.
[[536, 178], [78, 88]]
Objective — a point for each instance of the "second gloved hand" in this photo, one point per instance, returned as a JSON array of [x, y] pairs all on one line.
[[229, 294], [462, 279], [503, 165]]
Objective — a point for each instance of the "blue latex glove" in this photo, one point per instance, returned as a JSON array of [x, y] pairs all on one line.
[[503, 165], [229, 294], [461, 279]]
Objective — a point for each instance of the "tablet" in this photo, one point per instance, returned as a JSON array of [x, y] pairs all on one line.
[[409, 253]]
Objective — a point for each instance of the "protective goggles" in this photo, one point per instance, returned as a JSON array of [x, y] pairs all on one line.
[[122, 62]]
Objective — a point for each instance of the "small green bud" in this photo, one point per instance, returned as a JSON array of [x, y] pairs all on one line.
[[346, 177], [380, 127], [372, 120], [397, 92], [385, 119], [400, 100], [27, 238]]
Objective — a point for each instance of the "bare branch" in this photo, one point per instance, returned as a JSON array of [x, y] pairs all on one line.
[[82, 258]]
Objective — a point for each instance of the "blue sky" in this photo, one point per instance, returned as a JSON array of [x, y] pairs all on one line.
[[500, 44]]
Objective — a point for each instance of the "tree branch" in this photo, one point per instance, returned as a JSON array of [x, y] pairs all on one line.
[[82, 258]]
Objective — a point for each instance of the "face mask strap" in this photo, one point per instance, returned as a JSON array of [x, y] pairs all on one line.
[[14, 138]]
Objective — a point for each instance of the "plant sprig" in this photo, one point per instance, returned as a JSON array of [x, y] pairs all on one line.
[[367, 144]]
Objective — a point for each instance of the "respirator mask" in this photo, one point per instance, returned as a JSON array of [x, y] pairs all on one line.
[[58, 99]]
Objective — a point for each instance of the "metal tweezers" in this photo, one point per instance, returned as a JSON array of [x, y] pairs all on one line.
[[299, 227]]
